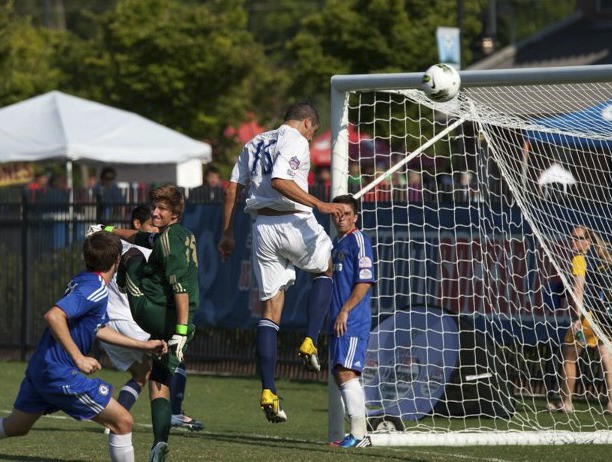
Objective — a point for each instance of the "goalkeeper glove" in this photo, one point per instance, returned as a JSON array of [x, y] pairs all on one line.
[[94, 229], [99, 227], [178, 342]]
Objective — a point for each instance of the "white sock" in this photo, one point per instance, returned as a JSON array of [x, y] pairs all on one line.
[[2, 434], [120, 448], [354, 403]]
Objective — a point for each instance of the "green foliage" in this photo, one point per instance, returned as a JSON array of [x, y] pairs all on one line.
[[27, 58], [194, 68], [199, 66], [363, 36]]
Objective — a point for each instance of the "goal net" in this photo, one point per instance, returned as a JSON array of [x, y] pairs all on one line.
[[471, 206]]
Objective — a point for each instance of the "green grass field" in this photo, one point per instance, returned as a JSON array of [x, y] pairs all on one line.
[[236, 430]]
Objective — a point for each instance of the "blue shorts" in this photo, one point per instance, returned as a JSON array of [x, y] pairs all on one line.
[[79, 397], [348, 352]]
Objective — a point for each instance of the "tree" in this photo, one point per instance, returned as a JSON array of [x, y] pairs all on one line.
[[371, 36], [27, 57], [192, 67]]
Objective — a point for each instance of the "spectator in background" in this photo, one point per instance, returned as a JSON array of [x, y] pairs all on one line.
[[445, 187], [354, 178], [109, 195], [212, 188], [38, 186], [415, 186], [322, 183], [463, 192], [592, 271]]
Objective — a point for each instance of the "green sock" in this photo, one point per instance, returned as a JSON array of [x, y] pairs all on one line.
[[161, 415]]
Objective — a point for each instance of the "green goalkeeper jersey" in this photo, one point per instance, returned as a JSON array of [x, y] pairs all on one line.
[[172, 267]]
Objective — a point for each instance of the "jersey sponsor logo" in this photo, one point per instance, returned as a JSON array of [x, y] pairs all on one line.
[[103, 390], [365, 274], [365, 262], [294, 163], [338, 267], [358, 364], [70, 287]]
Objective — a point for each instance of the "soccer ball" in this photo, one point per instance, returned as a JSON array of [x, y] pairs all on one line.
[[441, 82]]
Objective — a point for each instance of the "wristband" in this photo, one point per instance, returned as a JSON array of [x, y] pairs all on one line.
[[108, 229], [181, 329]]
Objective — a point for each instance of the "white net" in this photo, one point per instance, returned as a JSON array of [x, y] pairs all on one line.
[[471, 229]]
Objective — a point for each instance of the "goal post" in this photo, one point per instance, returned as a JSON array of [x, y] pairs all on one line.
[[470, 205]]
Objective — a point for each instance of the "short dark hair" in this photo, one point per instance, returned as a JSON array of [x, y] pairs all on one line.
[[108, 171], [141, 213], [210, 168], [170, 194], [347, 199], [101, 251], [301, 111]]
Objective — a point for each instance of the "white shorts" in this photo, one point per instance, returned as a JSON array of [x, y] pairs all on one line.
[[283, 242], [121, 357]]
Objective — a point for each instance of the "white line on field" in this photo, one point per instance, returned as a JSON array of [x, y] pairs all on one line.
[[455, 456], [280, 438]]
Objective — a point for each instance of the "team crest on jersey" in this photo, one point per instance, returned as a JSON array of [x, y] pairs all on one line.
[[365, 262], [103, 390], [294, 163]]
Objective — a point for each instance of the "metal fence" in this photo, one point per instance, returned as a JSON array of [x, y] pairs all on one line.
[[41, 250]]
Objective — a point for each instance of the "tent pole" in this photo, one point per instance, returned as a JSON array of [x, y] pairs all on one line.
[[69, 183]]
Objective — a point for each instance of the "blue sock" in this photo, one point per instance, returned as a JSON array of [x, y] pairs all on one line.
[[177, 389], [129, 394], [319, 301], [267, 333]]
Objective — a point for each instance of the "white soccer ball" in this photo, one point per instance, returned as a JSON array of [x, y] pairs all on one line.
[[441, 82]]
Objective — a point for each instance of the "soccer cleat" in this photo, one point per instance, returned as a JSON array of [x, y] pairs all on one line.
[[270, 404], [309, 354], [350, 441], [184, 421], [159, 452]]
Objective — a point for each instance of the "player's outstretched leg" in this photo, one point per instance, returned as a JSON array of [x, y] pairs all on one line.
[[177, 394], [270, 404], [319, 300], [159, 452], [267, 334]]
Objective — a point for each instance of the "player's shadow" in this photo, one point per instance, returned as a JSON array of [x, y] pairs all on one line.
[[365, 454], [12, 458]]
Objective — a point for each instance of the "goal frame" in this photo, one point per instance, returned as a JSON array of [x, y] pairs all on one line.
[[341, 87]]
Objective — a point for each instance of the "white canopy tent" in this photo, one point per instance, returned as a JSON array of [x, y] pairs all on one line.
[[60, 126]]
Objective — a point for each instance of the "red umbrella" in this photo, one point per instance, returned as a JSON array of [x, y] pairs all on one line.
[[247, 130], [360, 145]]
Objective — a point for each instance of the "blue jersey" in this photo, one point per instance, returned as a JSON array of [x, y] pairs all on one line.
[[84, 303], [353, 260]]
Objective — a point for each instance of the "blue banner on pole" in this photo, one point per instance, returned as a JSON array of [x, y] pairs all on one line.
[[449, 46]]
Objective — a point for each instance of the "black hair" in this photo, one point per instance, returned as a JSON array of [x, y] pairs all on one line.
[[301, 111], [141, 213], [347, 199]]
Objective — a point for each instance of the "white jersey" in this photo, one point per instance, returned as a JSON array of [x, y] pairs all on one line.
[[118, 306], [281, 153]]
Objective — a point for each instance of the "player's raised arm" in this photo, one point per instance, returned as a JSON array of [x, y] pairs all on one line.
[[226, 244], [291, 190], [108, 335]]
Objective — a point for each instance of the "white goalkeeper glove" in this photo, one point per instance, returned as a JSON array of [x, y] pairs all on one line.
[[178, 342], [94, 229]]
